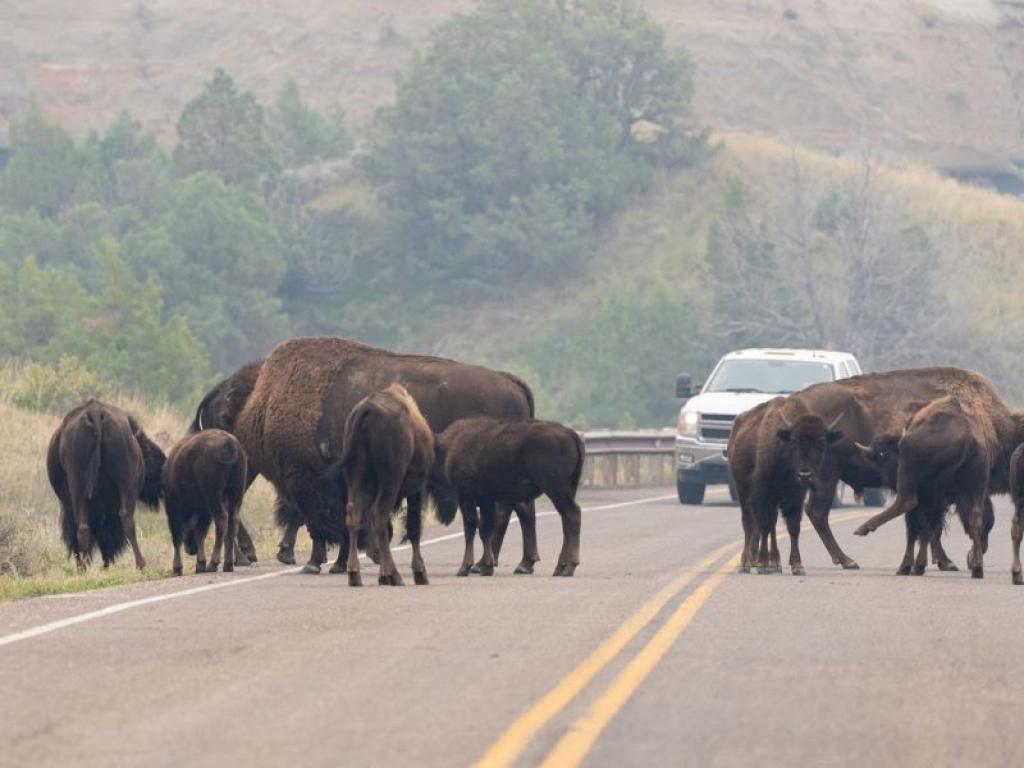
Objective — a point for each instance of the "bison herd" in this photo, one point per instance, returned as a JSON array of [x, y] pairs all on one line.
[[939, 438], [345, 433], [349, 435]]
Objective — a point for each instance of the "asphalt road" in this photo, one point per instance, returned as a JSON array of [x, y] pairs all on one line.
[[656, 653]]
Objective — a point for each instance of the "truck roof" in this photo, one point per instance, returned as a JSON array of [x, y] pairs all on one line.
[[822, 355]]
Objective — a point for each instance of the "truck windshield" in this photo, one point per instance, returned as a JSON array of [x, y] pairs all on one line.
[[770, 376]]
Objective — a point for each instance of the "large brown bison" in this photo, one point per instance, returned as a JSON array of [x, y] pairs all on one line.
[[204, 481], [291, 424], [885, 398], [775, 454], [386, 456], [486, 461], [944, 456], [100, 464]]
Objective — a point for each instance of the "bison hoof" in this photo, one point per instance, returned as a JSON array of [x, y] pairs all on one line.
[[420, 577], [392, 580], [947, 565], [862, 531], [200, 567], [463, 571], [177, 570], [568, 570], [310, 569], [978, 572], [212, 567], [743, 569], [355, 579], [1017, 578], [903, 570], [474, 568], [243, 561], [918, 570], [337, 569], [525, 567], [229, 567], [798, 570], [850, 565], [486, 569], [285, 555]]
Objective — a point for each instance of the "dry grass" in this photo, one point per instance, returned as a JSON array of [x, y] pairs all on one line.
[[33, 560]]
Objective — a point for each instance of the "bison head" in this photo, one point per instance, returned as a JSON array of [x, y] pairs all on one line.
[[883, 454], [810, 436]]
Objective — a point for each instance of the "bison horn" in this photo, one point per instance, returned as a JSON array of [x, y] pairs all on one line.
[[835, 422], [787, 422], [864, 448]]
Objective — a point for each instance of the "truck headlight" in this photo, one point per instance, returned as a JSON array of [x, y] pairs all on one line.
[[689, 423]]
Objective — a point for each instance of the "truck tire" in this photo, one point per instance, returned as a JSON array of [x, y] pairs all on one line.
[[874, 497], [690, 492]]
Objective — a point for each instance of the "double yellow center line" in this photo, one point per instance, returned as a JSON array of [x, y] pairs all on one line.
[[577, 742]]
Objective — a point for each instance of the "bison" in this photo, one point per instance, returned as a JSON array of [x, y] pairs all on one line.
[[291, 424], [387, 452], [486, 460], [884, 397], [100, 464], [944, 456], [775, 454], [204, 480]]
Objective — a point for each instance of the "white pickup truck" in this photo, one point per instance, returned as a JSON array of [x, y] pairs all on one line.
[[740, 381]]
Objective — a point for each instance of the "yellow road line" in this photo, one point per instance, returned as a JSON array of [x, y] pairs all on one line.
[[517, 736], [580, 738]]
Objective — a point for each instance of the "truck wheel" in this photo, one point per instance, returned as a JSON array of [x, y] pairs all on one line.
[[689, 492], [874, 497]]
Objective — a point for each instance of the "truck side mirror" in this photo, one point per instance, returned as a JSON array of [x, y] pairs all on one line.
[[684, 385]]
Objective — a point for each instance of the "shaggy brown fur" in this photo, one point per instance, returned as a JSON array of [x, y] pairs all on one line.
[[386, 456], [100, 463], [944, 456], [292, 423], [488, 460], [204, 480]]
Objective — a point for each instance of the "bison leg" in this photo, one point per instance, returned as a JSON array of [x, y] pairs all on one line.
[[317, 556], [747, 520], [793, 515], [903, 504], [469, 524], [527, 514], [939, 556], [128, 524], [1016, 534], [231, 538], [413, 530], [572, 518], [486, 535], [219, 526], [908, 553], [387, 499], [353, 521], [818, 507], [775, 559], [246, 550], [286, 547]]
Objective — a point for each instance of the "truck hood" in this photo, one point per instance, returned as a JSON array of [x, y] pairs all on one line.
[[725, 403]]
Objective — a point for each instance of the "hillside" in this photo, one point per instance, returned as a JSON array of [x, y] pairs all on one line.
[[938, 80]]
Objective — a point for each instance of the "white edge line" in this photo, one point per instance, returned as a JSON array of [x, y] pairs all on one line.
[[53, 626]]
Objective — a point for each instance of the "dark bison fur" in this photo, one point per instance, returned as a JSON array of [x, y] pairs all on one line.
[[204, 481], [486, 460], [100, 464], [292, 424], [387, 451]]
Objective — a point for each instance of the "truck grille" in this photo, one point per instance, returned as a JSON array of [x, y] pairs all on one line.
[[716, 427]]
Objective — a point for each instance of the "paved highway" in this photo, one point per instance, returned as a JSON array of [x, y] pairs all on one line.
[[656, 653]]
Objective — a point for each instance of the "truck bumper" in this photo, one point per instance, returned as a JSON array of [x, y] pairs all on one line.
[[699, 462]]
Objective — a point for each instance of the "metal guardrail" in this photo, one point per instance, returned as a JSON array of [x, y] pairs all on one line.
[[629, 457]]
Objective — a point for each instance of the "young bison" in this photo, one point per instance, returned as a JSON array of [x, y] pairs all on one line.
[[488, 461], [100, 463], [946, 456], [386, 456], [204, 480]]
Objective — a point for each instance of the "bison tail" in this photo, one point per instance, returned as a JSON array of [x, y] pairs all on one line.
[[446, 504], [92, 467], [577, 473], [353, 426], [287, 514], [153, 460]]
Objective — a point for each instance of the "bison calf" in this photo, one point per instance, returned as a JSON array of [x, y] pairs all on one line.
[[945, 457], [100, 463], [204, 481], [487, 461], [387, 450]]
